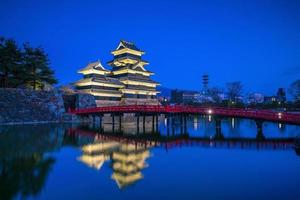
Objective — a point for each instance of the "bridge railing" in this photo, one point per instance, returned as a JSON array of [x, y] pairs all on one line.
[[232, 112]]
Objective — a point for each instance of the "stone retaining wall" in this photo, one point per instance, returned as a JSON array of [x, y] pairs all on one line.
[[25, 106], [29, 106]]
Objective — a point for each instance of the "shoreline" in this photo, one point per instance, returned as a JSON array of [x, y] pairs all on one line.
[[36, 122]]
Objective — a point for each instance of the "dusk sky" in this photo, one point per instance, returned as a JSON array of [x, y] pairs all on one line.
[[255, 42]]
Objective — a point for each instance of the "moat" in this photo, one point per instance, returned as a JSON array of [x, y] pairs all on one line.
[[86, 161]]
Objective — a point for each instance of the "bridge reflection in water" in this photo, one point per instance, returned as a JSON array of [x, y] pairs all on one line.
[[173, 123], [32, 154], [126, 143]]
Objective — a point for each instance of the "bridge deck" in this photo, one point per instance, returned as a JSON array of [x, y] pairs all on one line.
[[178, 109]]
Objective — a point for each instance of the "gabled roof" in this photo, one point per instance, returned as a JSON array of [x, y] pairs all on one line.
[[125, 46], [132, 67], [138, 66], [94, 66], [121, 59], [129, 45], [94, 161]]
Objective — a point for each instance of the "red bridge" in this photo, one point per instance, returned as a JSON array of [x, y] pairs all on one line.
[[265, 115]]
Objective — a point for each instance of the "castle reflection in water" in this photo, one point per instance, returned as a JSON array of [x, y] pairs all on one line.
[[127, 160], [126, 151], [28, 153]]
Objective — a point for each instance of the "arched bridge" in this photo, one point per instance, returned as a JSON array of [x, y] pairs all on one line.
[[265, 115]]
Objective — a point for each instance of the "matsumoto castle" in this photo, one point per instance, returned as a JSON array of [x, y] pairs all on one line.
[[128, 81]]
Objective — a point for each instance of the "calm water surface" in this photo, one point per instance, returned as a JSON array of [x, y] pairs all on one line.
[[75, 161]]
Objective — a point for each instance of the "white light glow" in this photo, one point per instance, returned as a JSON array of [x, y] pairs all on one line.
[[195, 123], [209, 118]]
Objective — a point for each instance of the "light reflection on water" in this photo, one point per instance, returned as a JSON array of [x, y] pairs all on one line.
[[65, 161]]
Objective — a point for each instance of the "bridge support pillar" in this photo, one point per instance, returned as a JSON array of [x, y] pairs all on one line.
[[219, 135], [184, 124], [181, 124], [100, 122], [168, 124], [153, 123], [113, 122], [94, 121], [156, 122], [85, 119], [144, 123], [82, 118], [173, 125], [120, 123], [137, 124], [259, 126]]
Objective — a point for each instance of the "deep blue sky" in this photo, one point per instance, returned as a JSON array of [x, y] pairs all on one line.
[[256, 42]]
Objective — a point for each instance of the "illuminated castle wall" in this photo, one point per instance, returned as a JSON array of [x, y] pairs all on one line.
[[128, 82]]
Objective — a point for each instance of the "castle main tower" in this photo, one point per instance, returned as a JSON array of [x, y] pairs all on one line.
[[129, 68]]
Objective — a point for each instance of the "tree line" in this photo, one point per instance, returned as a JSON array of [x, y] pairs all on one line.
[[25, 67], [234, 92]]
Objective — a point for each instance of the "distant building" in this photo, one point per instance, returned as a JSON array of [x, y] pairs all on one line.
[[281, 95], [255, 98], [279, 98], [190, 96], [128, 82], [203, 98], [223, 96], [270, 99], [184, 96], [205, 80], [176, 96]]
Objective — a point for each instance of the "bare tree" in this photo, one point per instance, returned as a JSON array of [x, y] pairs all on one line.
[[215, 93], [234, 90], [294, 90]]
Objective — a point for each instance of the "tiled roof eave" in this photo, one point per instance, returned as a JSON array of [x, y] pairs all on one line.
[[106, 80], [106, 91], [138, 80]]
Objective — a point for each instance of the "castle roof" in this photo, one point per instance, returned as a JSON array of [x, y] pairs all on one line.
[[93, 67], [128, 57], [129, 45], [133, 77], [135, 67], [103, 80]]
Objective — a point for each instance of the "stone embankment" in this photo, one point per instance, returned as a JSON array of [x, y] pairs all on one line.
[[18, 106]]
